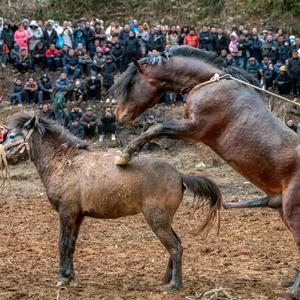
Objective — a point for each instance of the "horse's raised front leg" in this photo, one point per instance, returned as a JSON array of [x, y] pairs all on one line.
[[69, 229], [178, 130], [291, 213]]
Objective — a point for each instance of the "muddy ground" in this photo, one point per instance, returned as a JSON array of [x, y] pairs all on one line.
[[122, 259]]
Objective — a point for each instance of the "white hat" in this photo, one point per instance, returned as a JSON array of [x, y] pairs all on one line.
[[34, 23]]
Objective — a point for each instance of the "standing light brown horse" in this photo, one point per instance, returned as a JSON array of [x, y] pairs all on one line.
[[83, 183], [231, 118]]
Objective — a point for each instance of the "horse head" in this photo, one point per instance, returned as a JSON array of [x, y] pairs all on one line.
[[136, 91]]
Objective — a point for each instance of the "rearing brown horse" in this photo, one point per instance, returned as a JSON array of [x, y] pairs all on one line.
[[232, 119]]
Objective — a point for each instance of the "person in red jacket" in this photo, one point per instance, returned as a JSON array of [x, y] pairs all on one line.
[[52, 58], [192, 39]]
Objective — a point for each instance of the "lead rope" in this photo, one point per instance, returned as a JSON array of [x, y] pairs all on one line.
[[5, 175], [217, 77]]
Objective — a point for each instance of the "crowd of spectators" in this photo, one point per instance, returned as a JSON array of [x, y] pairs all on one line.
[[86, 55]]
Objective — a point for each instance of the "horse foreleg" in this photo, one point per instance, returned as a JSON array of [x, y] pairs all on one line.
[[178, 130], [69, 228], [291, 213]]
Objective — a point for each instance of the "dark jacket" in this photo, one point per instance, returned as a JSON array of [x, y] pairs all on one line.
[[48, 40], [155, 42], [206, 41], [71, 61], [108, 72], [76, 130], [294, 67], [8, 37], [48, 114], [88, 120], [131, 47], [17, 88]]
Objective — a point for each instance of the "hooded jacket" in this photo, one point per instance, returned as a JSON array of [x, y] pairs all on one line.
[[35, 36], [21, 38], [233, 48]]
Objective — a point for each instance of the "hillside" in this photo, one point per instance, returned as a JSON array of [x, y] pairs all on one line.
[[260, 13]]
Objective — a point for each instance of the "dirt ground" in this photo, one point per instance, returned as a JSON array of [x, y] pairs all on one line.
[[122, 259]]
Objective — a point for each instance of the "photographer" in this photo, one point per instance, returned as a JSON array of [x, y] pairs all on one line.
[[107, 125]]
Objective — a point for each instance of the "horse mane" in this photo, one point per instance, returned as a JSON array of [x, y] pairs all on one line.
[[44, 125], [120, 88], [209, 57]]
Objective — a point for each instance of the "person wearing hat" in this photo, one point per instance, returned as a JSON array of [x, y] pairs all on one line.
[[45, 92], [89, 122], [253, 67], [117, 52], [156, 40], [35, 35], [283, 81], [109, 71], [74, 114]]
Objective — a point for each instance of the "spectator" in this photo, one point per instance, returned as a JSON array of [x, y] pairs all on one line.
[[71, 66], [290, 123], [172, 37], [21, 38], [7, 35], [52, 58], [229, 60], [191, 39], [85, 64], [15, 53], [64, 84], [22, 63], [269, 48], [294, 71], [233, 48], [47, 112], [150, 121], [254, 45], [268, 77], [45, 92], [31, 91], [79, 92], [58, 106], [283, 49], [17, 92], [253, 67], [76, 129], [74, 114], [108, 72], [283, 82], [98, 62], [4, 53], [183, 33], [93, 88], [206, 39], [35, 35], [116, 53], [3, 133], [131, 50], [49, 35], [67, 35], [107, 125], [221, 41], [38, 56], [243, 51], [89, 122], [156, 40], [143, 37]]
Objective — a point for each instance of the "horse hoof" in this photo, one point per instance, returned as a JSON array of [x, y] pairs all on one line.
[[166, 280], [294, 294], [122, 160], [172, 289], [63, 282]]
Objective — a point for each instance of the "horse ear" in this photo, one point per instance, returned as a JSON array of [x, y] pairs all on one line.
[[30, 123], [137, 64]]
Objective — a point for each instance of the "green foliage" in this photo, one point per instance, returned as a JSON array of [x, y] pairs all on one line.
[[214, 6]]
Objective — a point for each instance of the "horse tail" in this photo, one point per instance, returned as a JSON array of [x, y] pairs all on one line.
[[206, 192]]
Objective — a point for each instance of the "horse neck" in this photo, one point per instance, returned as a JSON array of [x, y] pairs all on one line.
[[43, 148], [181, 74]]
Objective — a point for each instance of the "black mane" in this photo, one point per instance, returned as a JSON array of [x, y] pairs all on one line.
[[44, 125], [120, 88], [209, 57]]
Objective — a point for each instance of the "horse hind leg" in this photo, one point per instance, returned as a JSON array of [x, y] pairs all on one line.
[[69, 229], [160, 223], [291, 213], [168, 275]]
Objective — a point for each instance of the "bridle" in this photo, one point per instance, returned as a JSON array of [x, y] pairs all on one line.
[[21, 146]]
